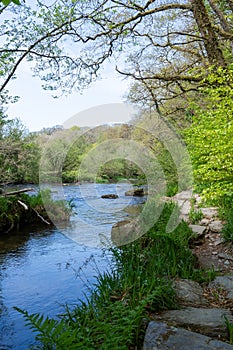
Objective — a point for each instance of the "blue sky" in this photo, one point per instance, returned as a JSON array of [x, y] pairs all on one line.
[[38, 109]]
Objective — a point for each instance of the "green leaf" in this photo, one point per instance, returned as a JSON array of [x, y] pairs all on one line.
[[6, 2]]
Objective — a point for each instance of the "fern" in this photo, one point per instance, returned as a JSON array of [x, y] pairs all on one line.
[[53, 334]]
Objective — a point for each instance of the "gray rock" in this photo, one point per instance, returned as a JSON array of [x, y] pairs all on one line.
[[110, 196], [189, 292], [160, 336], [224, 282], [209, 262], [185, 208], [210, 213], [216, 226], [198, 229], [185, 195], [205, 321], [125, 231], [219, 241], [225, 256], [137, 192], [204, 222]]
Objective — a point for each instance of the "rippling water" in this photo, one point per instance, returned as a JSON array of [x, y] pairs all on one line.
[[41, 271]]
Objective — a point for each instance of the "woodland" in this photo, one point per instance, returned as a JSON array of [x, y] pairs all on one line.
[[178, 57]]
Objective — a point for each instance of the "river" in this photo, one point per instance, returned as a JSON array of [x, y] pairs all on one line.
[[43, 270]]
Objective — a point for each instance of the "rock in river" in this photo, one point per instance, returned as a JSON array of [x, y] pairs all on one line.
[[110, 196]]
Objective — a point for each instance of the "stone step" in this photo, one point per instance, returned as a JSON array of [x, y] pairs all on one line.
[[160, 336], [209, 322]]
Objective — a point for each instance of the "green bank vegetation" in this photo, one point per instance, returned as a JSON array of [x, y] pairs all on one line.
[[18, 211]]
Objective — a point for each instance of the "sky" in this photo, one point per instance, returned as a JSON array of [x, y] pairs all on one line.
[[37, 108]]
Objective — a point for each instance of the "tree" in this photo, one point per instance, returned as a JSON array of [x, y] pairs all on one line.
[[69, 41], [210, 140]]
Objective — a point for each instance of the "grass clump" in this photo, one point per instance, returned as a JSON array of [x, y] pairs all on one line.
[[138, 283]]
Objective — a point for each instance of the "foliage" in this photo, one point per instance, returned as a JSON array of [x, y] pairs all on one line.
[[19, 153], [136, 285], [119, 169], [14, 214], [179, 37], [210, 140], [226, 214], [229, 326], [195, 215]]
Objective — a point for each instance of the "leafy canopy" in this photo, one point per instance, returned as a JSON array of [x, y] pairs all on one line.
[[210, 137]]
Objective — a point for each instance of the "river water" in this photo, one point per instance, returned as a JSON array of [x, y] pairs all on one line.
[[43, 270]]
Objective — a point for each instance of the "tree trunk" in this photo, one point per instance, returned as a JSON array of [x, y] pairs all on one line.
[[210, 39]]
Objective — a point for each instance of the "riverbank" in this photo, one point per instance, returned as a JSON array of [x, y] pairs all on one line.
[[138, 283], [139, 287], [19, 210]]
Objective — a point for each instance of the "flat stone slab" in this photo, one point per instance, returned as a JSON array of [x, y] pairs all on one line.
[[224, 282], [189, 292], [216, 226], [160, 336], [185, 195], [198, 229], [210, 213], [205, 321]]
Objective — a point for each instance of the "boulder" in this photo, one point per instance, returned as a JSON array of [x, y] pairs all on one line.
[[216, 226], [224, 282], [198, 229], [123, 232], [160, 336], [189, 292], [209, 322], [110, 196], [137, 192]]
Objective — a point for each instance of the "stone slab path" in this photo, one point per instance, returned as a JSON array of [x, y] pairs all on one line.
[[200, 323]]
